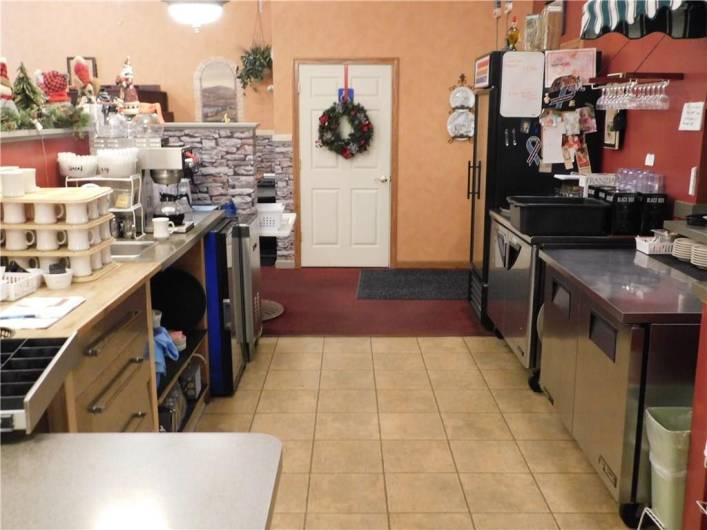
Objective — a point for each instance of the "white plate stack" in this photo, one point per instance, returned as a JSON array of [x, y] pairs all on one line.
[[682, 248], [698, 256]]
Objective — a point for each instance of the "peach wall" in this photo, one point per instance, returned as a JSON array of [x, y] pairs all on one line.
[[435, 42], [43, 34]]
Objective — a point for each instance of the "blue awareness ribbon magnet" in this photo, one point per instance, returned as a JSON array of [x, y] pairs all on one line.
[[533, 145]]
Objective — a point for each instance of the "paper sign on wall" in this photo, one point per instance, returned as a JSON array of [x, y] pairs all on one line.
[[522, 84], [692, 114]]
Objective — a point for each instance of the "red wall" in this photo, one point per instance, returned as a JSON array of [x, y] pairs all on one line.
[[30, 153], [676, 152]]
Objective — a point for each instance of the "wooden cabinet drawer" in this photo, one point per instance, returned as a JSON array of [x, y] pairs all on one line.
[[123, 330], [119, 399]]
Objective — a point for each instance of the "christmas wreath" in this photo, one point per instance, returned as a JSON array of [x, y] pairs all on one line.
[[362, 129]]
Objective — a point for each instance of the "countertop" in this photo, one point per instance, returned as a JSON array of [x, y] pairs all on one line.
[[150, 480], [630, 286], [698, 233]]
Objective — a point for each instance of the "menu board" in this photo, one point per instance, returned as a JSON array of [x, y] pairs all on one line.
[[522, 84]]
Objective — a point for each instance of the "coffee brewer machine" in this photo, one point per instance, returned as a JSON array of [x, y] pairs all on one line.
[[167, 174]]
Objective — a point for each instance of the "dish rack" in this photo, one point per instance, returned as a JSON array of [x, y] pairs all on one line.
[[15, 285]]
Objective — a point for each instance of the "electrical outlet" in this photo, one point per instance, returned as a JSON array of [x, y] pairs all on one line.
[[693, 181], [650, 159]]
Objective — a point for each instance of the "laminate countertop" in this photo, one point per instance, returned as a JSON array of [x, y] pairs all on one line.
[[150, 480], [632, 287]]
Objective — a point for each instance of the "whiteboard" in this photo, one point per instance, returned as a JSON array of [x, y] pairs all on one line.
[[522, 84]]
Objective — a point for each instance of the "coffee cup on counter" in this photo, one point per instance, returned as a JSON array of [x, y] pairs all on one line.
[[76, 213], [47, 214], [162, 227], [81, 265], [13, 214], [81, 239], [50, 239], [19, 239], [29, 177], [96, 261], [13, 183]]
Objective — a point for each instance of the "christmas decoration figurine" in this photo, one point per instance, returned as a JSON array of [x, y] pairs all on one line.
[[83, 82], [26, 94], [55, 86], [127, 95], [512, 35], [5, 86]]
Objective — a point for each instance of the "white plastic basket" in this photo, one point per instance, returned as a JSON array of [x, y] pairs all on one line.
[[649, 245], [270, 215], [21, 284]]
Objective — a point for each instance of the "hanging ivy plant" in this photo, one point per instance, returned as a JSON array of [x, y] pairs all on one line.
[[257, 63]]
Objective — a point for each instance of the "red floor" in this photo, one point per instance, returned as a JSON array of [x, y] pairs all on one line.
[[321, 301]]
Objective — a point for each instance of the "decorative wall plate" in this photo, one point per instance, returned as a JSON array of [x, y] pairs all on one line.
[[461, 97], [460, 124]]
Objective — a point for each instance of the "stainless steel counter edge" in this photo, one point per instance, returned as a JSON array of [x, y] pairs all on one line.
[[611, 309]]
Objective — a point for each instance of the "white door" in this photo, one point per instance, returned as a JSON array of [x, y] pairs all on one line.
[[345, 204]]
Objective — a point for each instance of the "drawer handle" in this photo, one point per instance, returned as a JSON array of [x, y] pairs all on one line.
[[95, 349], [104, 399], [134, 422]]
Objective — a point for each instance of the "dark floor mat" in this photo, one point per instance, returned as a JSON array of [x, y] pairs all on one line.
[[413, 284]]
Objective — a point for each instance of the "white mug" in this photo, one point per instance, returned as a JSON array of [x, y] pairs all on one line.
[[13, 183], [29, 175], [162, 227], [3, 169], [81, 265], [27, 263], [47, 213], [76, 214], [46, 262], [18, 239], [14, 213], [93, 210], [105, 231], [105, 256], [96, 261], [81, 239], [104, 205], [50, 239], [96, 235]]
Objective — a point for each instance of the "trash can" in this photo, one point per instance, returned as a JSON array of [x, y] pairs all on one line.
[[668, 430]]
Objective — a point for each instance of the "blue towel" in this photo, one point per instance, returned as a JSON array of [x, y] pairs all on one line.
[[164, 347]]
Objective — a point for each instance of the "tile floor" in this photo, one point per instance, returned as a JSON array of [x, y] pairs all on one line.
[[412, 433]]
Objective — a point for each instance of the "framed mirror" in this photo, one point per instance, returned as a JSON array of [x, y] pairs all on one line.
[[217, 91]]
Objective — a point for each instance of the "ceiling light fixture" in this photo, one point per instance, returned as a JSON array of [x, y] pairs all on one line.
[[195, 13]]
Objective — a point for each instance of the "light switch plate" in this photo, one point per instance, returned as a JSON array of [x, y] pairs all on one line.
[[650, 159]]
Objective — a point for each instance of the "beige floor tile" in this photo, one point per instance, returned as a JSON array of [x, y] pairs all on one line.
[[346, 493], [436, 360], [514, 521], [224, 423], [430, 521], [395, 344], [442, 344], [291, 495], [242, 402], [266, 345], [479, 400], [347, 521], [252, 380], [477, 456], [288, 401], [347, 401], [261, 362], [517, 400], [347, 345], [285, 426], [406, 401], [476, 426], [411, 427], [296, 456], [515, 378], [287, 521], [292, 380], [340, 426], [589, 521], [424, 492], [575, 493], [347, 361], [347, 379], [499, 360], [398, 361], [421, 456], [347, 457], [296, 361], [485, 344], [402, 380], [457, 379], [536, 426], [300, 345], [554, 457], [502, 492]]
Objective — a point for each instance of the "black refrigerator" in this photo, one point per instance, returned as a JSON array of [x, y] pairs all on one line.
[[500, 166]]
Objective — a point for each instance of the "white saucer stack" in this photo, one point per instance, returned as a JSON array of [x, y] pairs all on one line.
[[698, 256], [682, 248]]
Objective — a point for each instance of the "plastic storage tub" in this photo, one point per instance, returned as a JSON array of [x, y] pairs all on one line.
[[270, 215], [559, 216]]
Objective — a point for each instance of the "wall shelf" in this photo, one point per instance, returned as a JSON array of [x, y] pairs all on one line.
[[622, 77]]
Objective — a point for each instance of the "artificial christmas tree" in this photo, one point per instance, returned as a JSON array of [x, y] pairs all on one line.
[[27, 95]]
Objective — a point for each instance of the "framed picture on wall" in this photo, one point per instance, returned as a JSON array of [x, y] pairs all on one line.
[[612, 134], [91, 65]]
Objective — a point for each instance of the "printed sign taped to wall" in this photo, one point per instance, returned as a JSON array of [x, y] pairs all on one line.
[[481, 72]]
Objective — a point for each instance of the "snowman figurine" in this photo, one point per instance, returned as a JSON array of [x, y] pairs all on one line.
[[128, 100]]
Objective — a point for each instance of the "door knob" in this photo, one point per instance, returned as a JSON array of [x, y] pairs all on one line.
[[383, 179]]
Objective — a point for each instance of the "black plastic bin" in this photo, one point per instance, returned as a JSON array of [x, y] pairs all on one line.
[[625, 212], [559, 216]]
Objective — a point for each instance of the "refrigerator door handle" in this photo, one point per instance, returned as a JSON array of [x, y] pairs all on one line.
[[470, 180], [477, 179], [227, 314]]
